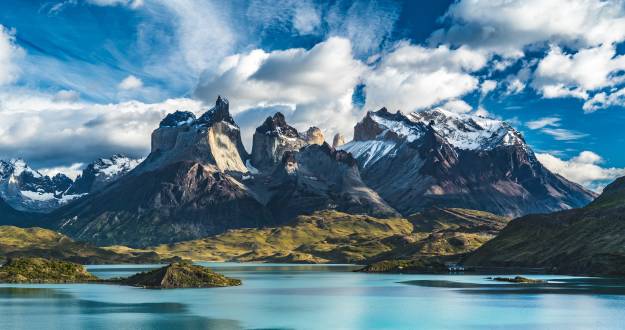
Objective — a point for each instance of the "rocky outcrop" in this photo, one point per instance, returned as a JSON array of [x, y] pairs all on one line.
[[272, 139], [180, 275], [338, 140], [441, 159], [313, 136], [213, 139]]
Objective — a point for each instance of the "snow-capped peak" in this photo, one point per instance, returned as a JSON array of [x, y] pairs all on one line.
[[468, 131], [15, 167], [115, 165]]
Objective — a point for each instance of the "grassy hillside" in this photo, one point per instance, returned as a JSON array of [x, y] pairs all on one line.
[[39, 270], [39, 242], [331, 236], [590, 240]]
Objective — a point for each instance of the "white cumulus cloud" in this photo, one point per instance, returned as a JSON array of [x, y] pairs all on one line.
[[51, 132], [560, 74], [317, 84], [131, 82], [9, 53], [414, 77], [507, 26], [584, 169]]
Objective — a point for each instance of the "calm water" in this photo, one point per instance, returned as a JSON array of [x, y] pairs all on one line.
[[318, 297]]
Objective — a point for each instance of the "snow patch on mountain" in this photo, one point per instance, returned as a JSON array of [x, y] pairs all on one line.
[[371, 151]]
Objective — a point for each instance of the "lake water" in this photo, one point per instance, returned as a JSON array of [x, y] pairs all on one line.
[[278, 296]]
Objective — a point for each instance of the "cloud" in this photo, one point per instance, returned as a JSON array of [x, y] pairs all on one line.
[[130, 82], [486, 87], [543, 122], [603, 100], [72, 171], [317, 84], [562, 134], [457, 106], [202, 36], [551, 126], [129, 3], [560, 74], [302, 17], [508, 26], [9, 53], [368, 24], [414, 77], [66, 95], [584, 169], [49, 132]]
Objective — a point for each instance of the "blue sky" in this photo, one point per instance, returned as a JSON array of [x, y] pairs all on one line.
[[81, 79]]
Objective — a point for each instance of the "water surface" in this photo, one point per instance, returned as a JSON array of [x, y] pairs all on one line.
[[278, 296]]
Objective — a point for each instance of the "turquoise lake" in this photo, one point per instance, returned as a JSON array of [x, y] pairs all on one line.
[[278, 296]]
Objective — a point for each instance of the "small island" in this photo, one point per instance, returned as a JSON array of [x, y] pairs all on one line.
[[176, 275], [517, 279], [180, 275]]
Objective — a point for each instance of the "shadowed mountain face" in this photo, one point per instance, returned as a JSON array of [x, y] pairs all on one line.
[[438, 158], [319, 177], [589, 240]]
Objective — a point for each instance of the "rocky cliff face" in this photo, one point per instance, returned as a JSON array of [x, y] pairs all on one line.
[[319, 177], [272, 139], [313, 136], [338, 140], [442, 159], [213, 139]]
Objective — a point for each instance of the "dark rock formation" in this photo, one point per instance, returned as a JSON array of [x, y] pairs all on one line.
[[272, 139], [319, 177]]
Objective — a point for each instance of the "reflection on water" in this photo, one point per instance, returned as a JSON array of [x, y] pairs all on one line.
[[317, 297], [581, 285]]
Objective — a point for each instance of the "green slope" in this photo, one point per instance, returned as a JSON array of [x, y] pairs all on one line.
[[39, 242], [590, 240]]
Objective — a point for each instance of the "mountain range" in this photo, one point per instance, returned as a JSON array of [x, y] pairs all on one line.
[[199, 180]]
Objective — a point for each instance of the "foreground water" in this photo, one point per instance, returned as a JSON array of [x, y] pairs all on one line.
[[317, 297]]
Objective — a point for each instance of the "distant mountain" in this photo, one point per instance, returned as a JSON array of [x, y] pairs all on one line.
[[102, 172], [443, 159], [25, 189], [588, 241]]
